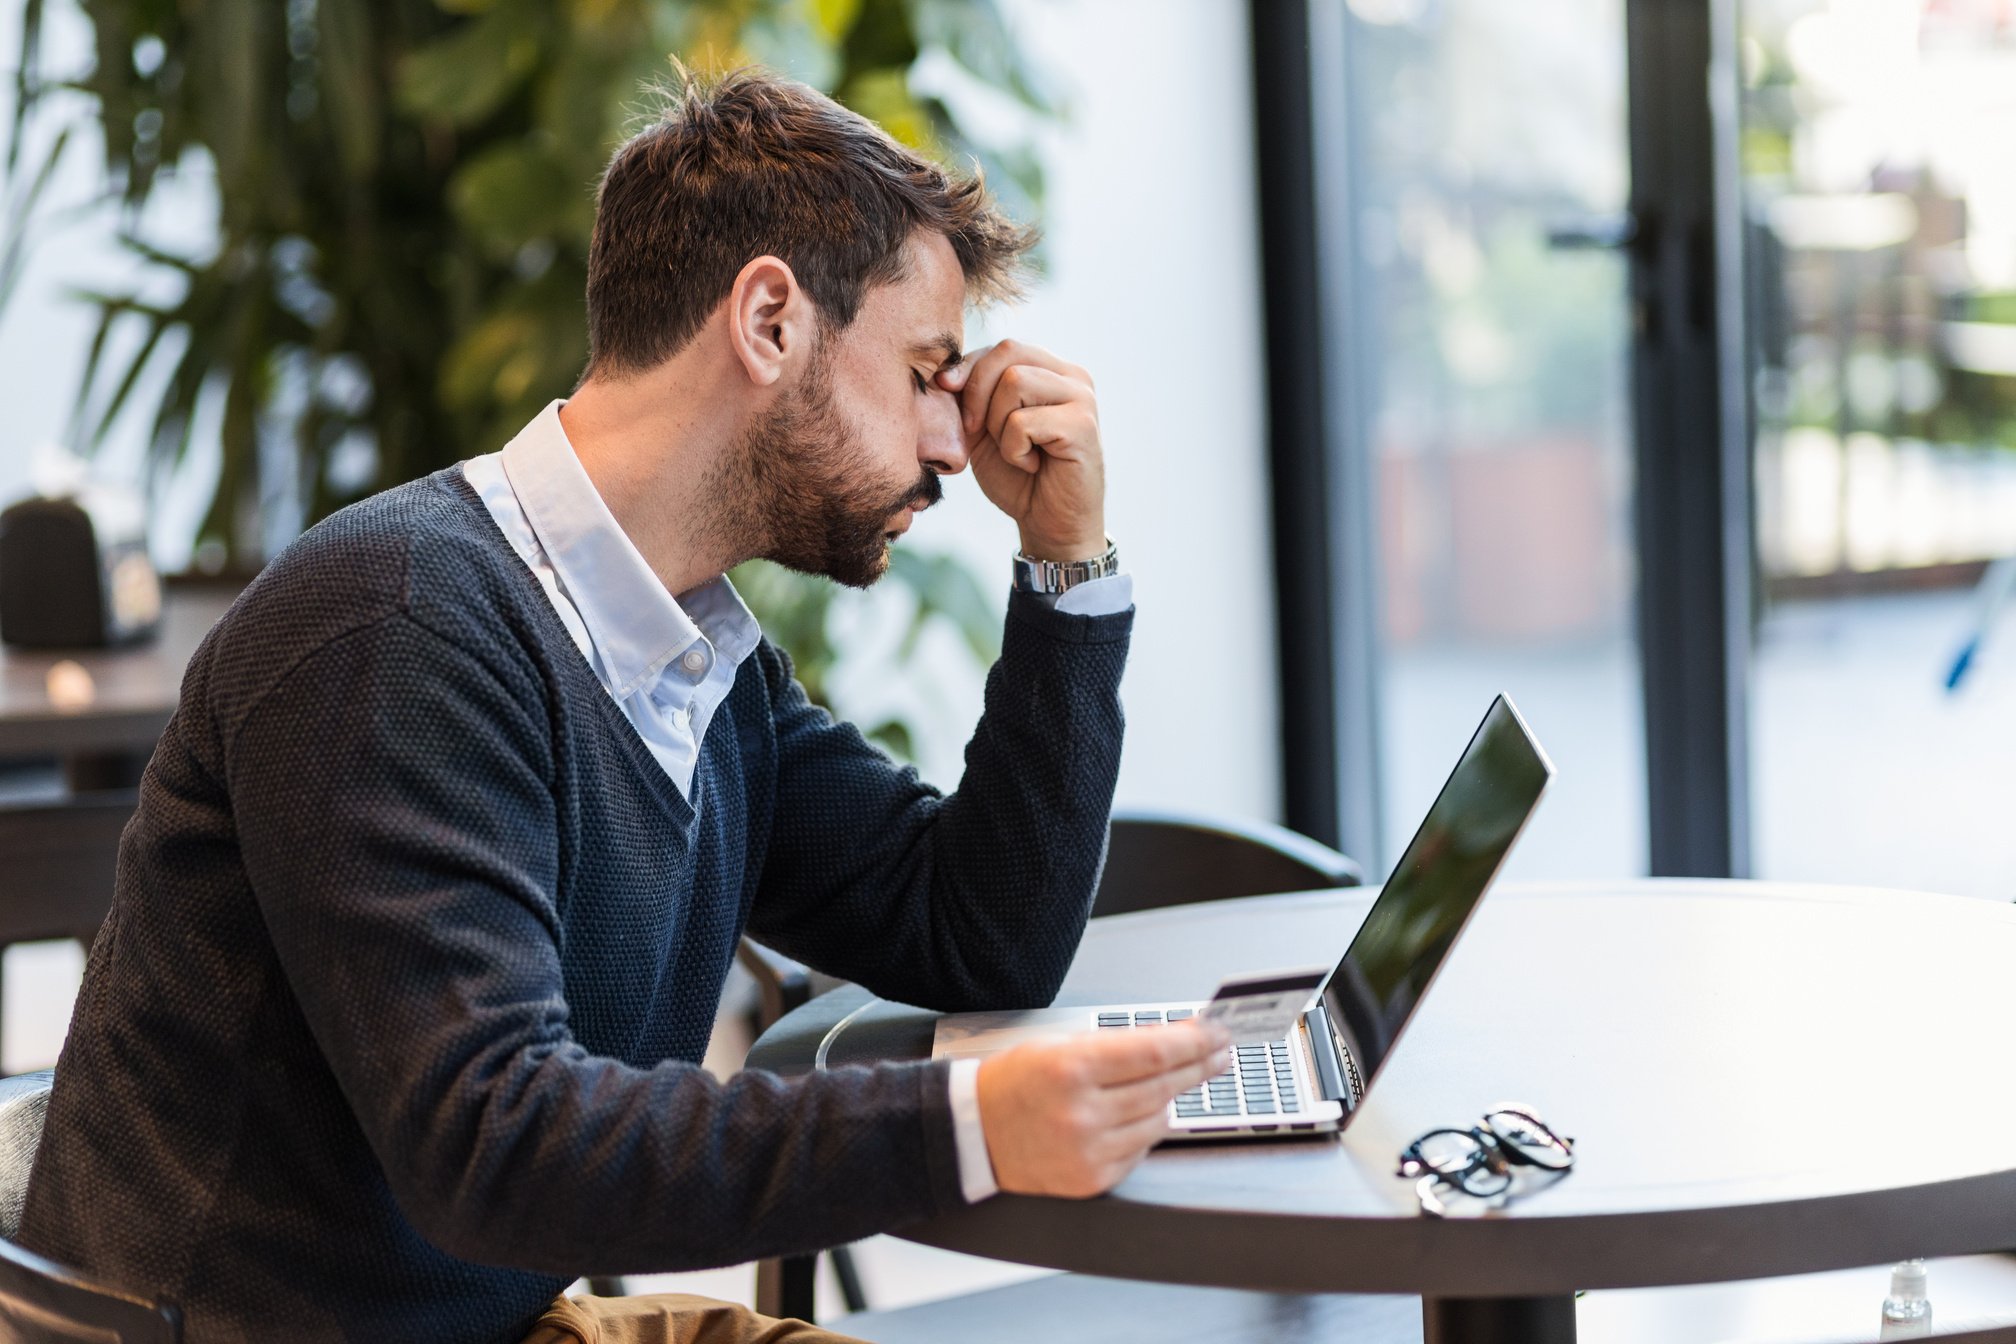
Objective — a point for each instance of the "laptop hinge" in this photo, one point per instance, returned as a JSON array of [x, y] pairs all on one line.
[[1330, 1082]]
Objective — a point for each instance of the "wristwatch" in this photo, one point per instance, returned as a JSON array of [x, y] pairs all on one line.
[[1051, 576]]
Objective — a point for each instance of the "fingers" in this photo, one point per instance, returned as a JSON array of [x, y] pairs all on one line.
[[1129, 1102], [1129, 1143], [1119, 1151], [1025, 430], [1116, 1057], [1023, 385], [1140, 1111], [1072, 1117], [979, 376]]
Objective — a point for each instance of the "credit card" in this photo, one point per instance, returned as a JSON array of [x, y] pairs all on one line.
[[1257, 1008]]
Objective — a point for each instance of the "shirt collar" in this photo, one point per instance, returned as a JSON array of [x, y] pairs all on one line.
[[637, 627]]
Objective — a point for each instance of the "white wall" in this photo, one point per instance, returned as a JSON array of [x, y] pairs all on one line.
[[44, 330], [43, 334], [1153, 284]]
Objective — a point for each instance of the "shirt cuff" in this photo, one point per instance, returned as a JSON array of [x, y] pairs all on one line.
[[976, 1169], [1094, 597]]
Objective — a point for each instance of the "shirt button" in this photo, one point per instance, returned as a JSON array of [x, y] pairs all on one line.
[[694, 660]]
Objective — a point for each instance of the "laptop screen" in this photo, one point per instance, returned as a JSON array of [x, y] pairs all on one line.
[[1434, 888]]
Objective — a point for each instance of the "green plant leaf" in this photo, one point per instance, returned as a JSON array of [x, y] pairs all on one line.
[[158, 256], [14, 247], [424, 232], [463, 76], [228, 53], [27, 79], [881, 37], [795, 48], [946, 589], [833, 19], [576, 113], [158, 321], [975, 33], [474, 367], [883, 96], [350, 95], [894, 736], [512, 194]]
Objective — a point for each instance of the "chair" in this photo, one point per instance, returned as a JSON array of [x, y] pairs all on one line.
[[1154, 859], [42, 1302], [60, 859], [786, 1287]]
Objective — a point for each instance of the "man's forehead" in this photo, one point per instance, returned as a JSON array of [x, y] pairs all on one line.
[[931, 296], [923, 311]]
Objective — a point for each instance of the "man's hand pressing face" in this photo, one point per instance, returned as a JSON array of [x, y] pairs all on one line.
[[1031, 425]]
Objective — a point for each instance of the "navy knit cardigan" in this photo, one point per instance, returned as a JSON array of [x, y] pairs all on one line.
[[394, 1028]]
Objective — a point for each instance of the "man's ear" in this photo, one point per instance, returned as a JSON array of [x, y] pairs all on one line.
[[770, 320]]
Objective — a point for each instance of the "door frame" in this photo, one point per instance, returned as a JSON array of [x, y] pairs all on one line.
[[1691, 419]]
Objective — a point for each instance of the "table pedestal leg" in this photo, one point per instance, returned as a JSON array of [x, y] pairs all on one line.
[[1498, 1320]]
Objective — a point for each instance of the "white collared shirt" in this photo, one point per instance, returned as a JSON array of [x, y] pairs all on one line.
[[670, 662]]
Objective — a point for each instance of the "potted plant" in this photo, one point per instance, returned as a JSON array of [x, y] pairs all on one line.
[[405, 198]]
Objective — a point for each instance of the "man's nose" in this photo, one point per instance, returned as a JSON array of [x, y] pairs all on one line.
[[941, 445]]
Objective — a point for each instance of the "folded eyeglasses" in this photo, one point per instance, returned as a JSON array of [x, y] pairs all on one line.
[[1483, 1160]]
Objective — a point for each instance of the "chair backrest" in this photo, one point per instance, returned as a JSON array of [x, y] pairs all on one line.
[[60, 859], [1162, 858], [781, 983], [42, 1302], [1153, 859], [24, 1103]]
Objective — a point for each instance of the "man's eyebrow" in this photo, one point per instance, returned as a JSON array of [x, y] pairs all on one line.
[[945, 347]]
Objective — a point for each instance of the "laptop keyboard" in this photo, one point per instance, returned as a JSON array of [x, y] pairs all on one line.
[[1261, 1081]]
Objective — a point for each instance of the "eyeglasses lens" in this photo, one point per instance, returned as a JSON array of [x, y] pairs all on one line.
[[1483, 1182], [1450, 1151], [1530, 1139]]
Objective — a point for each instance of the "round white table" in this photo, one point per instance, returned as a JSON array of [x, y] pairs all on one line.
[[1761, 1078]]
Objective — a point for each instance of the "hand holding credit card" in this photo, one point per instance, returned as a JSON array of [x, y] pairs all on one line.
[[1257, 1008]]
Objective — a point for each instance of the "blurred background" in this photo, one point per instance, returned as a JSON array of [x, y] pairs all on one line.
[[1428, 369], [1872, 207]]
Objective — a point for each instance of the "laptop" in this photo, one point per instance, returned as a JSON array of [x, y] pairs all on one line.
[[1314, 1079]]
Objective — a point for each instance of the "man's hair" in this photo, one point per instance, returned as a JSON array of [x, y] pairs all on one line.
[[748, 164]]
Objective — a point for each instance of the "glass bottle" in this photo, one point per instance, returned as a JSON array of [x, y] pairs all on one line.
[[1907, 1312]]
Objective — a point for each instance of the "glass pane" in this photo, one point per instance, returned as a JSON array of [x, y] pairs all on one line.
[[1498, 371], [1880, 209]]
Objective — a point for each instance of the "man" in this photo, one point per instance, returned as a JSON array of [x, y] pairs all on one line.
[[419, 931]]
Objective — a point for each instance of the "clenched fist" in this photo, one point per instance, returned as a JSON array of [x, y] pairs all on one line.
[[1072, 1117], [1031, 425]]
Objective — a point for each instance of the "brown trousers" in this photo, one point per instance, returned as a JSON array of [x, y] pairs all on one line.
[[669, 1318]]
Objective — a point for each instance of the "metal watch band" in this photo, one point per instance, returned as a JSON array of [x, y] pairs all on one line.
[[1053, 576]]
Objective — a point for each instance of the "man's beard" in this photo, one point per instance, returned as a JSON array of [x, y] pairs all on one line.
[[799, 490]]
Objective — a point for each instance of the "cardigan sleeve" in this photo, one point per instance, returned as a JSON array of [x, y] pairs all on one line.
[[394, 801], [971, 900]]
